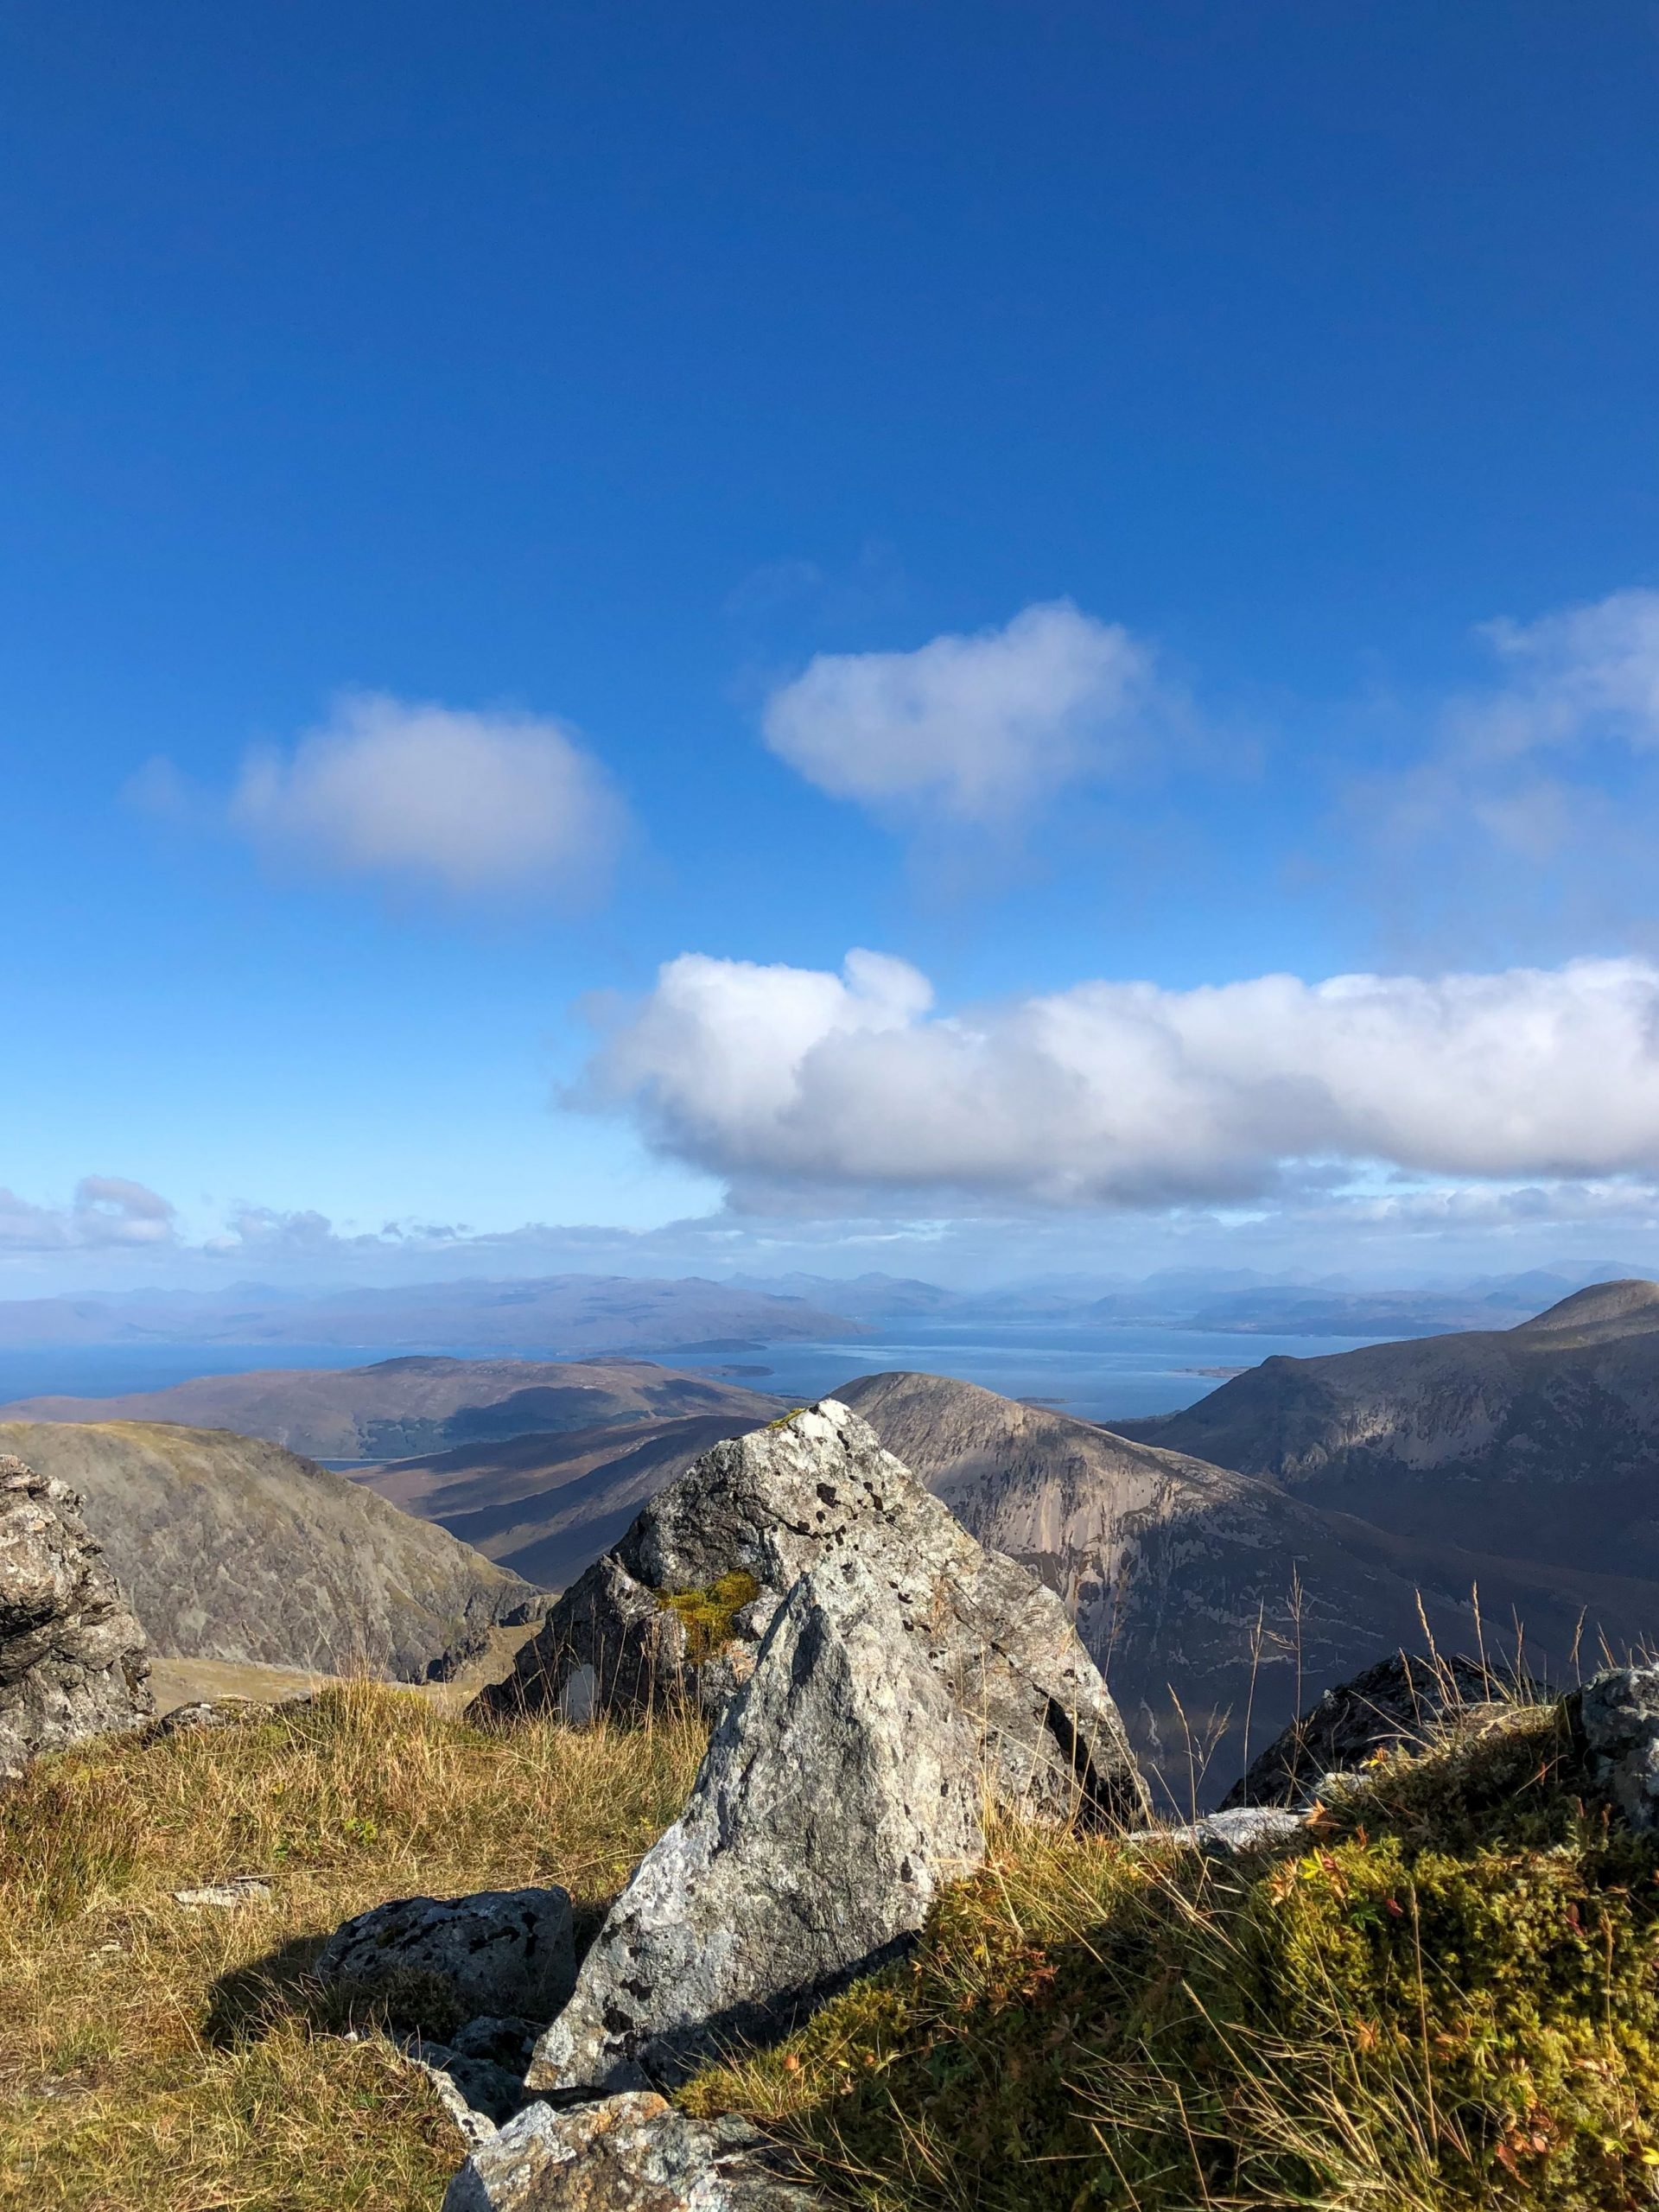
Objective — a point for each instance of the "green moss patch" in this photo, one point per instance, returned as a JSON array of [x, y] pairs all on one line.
[[709, 1615], [1449, 1999]]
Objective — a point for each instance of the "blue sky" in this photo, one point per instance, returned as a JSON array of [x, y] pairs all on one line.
[[488, 502]]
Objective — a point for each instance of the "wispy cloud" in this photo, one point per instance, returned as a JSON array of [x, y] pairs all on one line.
[[972, 725], [1534, 799], [1126, 1094]]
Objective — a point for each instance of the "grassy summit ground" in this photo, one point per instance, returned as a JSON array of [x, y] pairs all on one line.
[[156, 2057], [1447, 1998]]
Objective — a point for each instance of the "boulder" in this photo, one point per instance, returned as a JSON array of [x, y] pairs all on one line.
[[676, 1612], [842, 1788], [1399, 1700], [73, 1661], [629, 2153], [1616, 1720], [499, 1951]]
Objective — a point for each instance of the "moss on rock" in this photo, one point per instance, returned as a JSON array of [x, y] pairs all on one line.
[[709, 1615]]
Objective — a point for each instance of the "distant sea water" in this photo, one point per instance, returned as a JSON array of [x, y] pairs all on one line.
[[1093, 1373]]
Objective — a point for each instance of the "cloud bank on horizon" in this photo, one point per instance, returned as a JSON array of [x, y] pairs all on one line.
[[1114, 1094]]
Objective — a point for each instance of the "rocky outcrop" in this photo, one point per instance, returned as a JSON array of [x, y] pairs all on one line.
[[73, 1661], [499, 1951], [628, 2153], [1402, 1700], [1617, 1718], [233, 1549], [842, 1787], [677, 1609]]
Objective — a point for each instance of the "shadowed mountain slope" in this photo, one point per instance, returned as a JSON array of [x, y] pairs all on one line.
[[1169, 1564], [547, 1506], [1542, 1442], [232, 1548], [400, 1407]]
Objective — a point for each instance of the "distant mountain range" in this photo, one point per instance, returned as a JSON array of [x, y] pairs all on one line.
[[556, 1314], [231, 1548], [397, 1408], [587, 1316]]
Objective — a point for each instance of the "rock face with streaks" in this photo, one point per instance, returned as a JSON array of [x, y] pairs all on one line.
[[753, 1515], [72, 1660], [842, 1787]]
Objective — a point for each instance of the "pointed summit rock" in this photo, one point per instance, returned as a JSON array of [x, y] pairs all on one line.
[[842, 1788], [676, 1612]]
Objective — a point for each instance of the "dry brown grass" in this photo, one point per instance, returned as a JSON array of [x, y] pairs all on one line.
[[154, 2057]]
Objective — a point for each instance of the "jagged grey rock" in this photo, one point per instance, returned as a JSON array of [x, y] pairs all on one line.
[[72, 1660], [842, 1788], [771, 1505], [627, 2153], [499, 1951], [1618, 1718], [1402, 1700]]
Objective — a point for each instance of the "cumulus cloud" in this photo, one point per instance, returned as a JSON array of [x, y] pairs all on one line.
[[1129, 1094], [973, 725], [473, 803], [107, 1212]]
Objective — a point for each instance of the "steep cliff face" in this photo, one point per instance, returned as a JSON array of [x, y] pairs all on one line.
[[1205, 1595], [1540, 1442], [234, 1549]]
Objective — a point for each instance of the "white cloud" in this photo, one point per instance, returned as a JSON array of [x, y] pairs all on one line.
[[975, 725], [471, 802], [1128, 1094], [107, 1211]]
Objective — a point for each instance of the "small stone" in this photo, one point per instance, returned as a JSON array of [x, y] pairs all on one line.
[[204, 1713], [499, 1951], [629, 2153], [1245, 1827], [224, 1897]]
